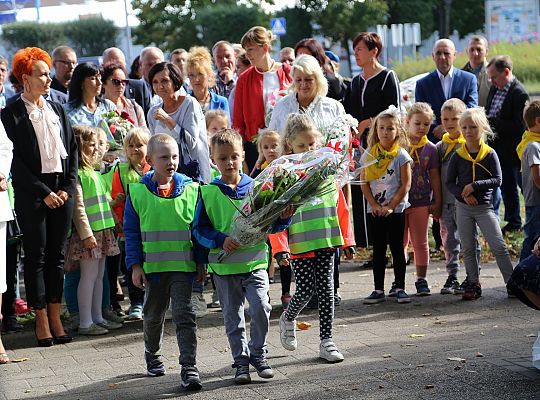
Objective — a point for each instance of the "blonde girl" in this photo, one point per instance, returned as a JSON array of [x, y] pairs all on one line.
[[216, 120], [93, 237], [425, 196], [269, 146], [311, 251], [386, 184], [473, 173]]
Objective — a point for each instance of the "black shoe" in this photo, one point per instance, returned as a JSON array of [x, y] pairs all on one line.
[[47, 342], [10, 324], [451, 285], [510, 229], [154, 364], [190, 378], [461, 288], [62, 339]]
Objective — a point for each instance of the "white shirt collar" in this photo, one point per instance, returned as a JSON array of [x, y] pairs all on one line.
[[450, 73]]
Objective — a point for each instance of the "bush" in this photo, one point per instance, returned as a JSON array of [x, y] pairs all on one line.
[[525, 56]]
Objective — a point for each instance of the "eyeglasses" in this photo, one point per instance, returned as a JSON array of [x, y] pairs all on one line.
[[118, 82], [67, 63]]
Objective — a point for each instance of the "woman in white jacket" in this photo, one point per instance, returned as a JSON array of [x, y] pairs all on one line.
[[6, 154]]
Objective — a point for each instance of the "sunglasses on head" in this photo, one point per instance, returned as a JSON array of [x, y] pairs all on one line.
[[118, 82]]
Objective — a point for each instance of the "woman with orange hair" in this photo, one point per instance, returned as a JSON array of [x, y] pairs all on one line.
[[44, 171]]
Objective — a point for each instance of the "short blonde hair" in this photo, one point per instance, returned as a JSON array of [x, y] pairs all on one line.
[[142, 134], [478, 116], [258, 35], [200, 61], [454, 104], [158, 140], [297, 124], [267, 133], [226, 137], [421, 108], [215, 114], [401, 137], [310, 66]]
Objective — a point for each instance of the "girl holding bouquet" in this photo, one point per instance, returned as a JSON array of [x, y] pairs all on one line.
[[309, 245]]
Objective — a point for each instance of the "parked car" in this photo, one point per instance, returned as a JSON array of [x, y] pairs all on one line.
[[407, 88]]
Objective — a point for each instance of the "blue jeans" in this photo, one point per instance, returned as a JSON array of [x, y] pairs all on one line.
[[531, 230]]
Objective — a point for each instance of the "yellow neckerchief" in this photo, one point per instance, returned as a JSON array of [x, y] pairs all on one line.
[[451, 143], [264, 165], [383, 159], [527, 138], [482, 153], [414, 147]]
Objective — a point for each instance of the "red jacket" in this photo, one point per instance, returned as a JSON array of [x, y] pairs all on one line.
[[249, 107], [280, 241]]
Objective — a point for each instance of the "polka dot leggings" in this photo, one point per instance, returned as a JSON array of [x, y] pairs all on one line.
[[314, 274]]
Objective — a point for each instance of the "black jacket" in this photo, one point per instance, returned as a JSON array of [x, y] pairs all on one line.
[[56, 85], [139, 91], [54, 95], [26, 165]]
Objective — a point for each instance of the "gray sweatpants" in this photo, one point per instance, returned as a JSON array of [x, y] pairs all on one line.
[[483, 216], [176, 287], [233, 290]]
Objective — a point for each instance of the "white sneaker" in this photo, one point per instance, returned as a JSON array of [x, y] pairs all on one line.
[[329, 351], [215, 300], [287, 333], [199, 305]]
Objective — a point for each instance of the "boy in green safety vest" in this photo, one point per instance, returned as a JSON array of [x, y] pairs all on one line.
[[242, 275], [158, 214]]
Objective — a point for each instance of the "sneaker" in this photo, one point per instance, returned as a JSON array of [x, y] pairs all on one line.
[[473, 292], [199, 305], [93, 330], [190, 378], [422, 288], [329, 351], [375, 297], [462, 287], [215, 300], [109, 325], [154, 364], [287, 333], [451, 285], [264, 370], [392, 291], [242, 374], [135, 312], [285, 300], [337, 299], [402, 297], [111, 316]]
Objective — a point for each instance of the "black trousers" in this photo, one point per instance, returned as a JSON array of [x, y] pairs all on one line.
[[388, 231], [44, 237], [251, 155]]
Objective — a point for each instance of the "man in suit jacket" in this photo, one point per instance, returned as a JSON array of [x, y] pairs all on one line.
[[505, 104], [477, 50], [444, 83], [135, 89]]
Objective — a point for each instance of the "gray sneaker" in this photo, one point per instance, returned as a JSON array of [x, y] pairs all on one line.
[[111, 316], [93, 330], [199, 305], [109, 325]]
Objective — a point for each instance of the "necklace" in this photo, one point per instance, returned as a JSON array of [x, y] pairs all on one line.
[[269, 69]]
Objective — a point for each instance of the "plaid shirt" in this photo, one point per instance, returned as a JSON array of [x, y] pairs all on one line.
[[497, 101], [224, 88]]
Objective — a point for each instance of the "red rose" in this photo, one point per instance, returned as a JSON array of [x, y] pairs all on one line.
[[112, 128], [355, 144]]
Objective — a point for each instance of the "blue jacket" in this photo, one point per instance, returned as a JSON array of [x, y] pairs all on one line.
[[218, 102], [132, 227], [203, 230], [429, 89]]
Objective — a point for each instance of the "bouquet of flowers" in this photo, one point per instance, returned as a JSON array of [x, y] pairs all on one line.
[[296, 180], [116, 126]]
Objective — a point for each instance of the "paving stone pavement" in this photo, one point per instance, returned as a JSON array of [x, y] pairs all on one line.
[[437, 347]]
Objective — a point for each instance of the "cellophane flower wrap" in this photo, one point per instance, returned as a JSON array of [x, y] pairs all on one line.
[[116, 126], [295, 179]]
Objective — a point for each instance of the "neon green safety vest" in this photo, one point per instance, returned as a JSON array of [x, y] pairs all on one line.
[[96, 200], [221, 211], [165, 224], [315, 227], [127, 175], [106, 179]]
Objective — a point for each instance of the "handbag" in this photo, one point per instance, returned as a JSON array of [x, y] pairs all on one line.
[[187, 165], [14, 232]]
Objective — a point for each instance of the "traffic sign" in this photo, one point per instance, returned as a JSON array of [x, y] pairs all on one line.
[[278, 26]]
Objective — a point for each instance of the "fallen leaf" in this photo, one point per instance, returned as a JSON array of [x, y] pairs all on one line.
[[495, 326], [440, 322], [416, 335], [27, 391], [50, 391], [408, 345], [430, 386], [303, 326], [478, 354], [456, 359], [173, 367], [471, 371], [420, 366], [381, 387], [482, 333], [18, 360], [426, 314], [387, 356], [113, 385], [531, 335], [341, 326]]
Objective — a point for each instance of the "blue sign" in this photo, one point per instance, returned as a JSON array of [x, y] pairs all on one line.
[[278, 26]]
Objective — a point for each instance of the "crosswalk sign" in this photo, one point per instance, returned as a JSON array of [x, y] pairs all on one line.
[[278, 26]]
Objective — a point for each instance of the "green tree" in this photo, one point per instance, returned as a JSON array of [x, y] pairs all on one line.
[[90, 36], [422, 11], [32, 34], [467, 16], [298, 22]]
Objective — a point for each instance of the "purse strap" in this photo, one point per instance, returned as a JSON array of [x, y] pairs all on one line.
[[182, 146]]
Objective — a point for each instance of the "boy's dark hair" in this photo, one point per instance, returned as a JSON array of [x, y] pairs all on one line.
[[226, 136], [531, 113]]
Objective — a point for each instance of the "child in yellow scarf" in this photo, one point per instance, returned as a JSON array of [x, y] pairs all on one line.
[[385, 187], [474, 171]]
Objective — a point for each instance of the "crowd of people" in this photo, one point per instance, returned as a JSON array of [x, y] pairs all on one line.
[[205, 123]]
